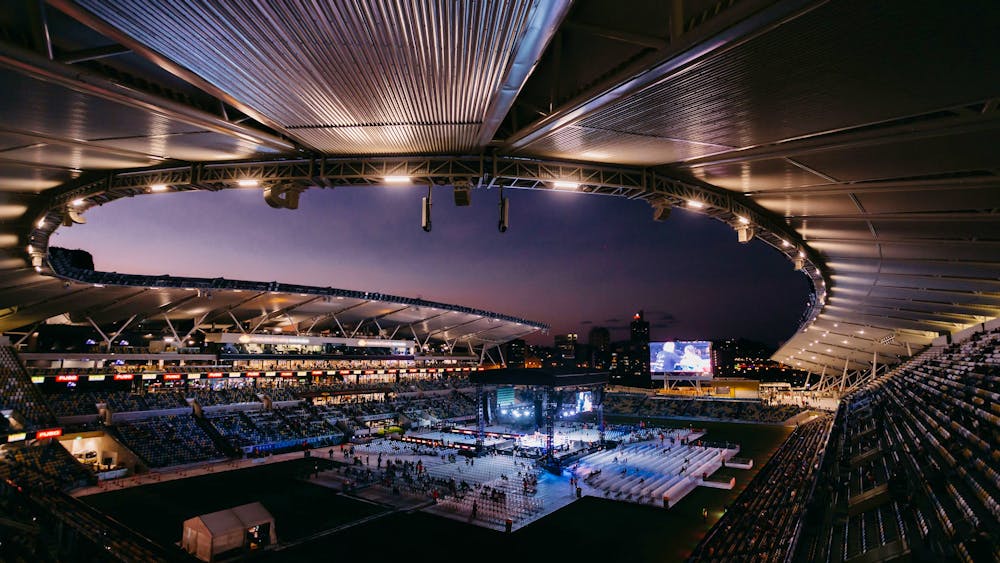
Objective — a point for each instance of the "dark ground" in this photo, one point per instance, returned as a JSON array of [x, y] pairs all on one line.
[[587, 530]]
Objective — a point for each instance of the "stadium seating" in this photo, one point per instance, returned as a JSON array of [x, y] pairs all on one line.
[[44, 464], [763, 522], [19, 395], [634, 404], [921, 462], [168, 440]]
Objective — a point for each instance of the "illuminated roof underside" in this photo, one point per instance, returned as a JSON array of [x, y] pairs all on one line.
[[869, 134]]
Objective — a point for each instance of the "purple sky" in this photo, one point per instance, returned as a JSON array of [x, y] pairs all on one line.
[[569, 260]]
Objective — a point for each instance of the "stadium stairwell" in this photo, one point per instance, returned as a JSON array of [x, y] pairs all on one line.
[[219, 441]]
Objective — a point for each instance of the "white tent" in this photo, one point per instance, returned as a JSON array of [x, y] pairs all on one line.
[[210, 534]]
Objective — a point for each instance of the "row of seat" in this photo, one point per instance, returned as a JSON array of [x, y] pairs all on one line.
[[765, 519], [644, 405], [930, 429]]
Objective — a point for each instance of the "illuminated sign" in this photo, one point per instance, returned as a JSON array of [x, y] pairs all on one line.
[[147, 376], [51, 433], [214, 374], [123, 377], [171, 376], [234, 374], [287, 374], [95, 378], [194, 376], [253, 374], [16, 437], [317, 373], [37, 379], [66, 378]]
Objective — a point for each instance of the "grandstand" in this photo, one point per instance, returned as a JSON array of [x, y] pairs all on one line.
[[857, 142]]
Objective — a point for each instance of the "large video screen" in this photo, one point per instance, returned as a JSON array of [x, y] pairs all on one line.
[[681, 357]]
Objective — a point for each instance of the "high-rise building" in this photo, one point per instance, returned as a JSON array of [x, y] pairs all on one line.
[[515, 352], [639, 351], [599, 338], [566, 346], [599, 347], [640, 329]]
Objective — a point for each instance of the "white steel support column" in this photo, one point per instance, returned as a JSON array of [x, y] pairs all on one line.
[[843, 379]]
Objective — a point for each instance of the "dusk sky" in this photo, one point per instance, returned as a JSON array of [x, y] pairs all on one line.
[[570, 260]]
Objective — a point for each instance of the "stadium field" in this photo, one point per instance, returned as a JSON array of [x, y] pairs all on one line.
[[623, 531], [299, 508]]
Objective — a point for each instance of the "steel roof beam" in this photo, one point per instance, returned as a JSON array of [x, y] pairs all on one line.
[[543, 22], [719, 36], [40, 68]]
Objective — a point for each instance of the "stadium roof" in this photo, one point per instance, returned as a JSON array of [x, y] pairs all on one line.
[[860, 137], [540, 377], [178, 306]]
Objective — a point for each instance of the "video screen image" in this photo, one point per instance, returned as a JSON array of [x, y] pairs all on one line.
[[681, 357]]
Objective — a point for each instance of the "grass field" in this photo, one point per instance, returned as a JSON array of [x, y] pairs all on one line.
[[299, 508]]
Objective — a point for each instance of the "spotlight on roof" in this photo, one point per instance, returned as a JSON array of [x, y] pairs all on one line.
[[247, 183], [565, 185], [785, 243], [41, 223], [77, 202], [397, 180], [695, 204], [158, 188], [744, 220], [744, 234]]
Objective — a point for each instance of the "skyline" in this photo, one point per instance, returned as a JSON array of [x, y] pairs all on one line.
[[569, 260]]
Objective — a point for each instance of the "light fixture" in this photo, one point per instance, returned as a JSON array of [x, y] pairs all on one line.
[[158, 188], [41, 223], [565, 185], [862, 331], [744, 220], [31, 250], [397, 179], [76, 202], [802, 254], [247, 183], [695, 204]]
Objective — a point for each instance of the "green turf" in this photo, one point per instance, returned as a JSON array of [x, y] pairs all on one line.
[[587, 530], [299, 508]]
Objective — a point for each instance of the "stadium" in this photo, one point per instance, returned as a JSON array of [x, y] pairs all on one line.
[[198, 417]]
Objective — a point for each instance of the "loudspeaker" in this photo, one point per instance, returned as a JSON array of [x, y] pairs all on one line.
[[425, 214], [463, 196], [799, 264], [504, 214], [744, 234], [661, 213], [282, 196]]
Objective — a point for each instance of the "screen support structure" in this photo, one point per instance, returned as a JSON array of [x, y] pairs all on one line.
[[480, 420]]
